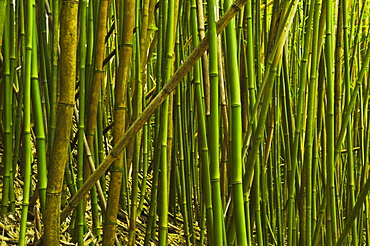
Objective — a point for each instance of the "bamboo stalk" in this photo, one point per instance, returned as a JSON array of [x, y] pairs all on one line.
[[64, 121], [30, 72], [236, 129]]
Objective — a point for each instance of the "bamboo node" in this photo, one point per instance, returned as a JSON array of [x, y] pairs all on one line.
[[236, 6], [167, 91], [66, 104]]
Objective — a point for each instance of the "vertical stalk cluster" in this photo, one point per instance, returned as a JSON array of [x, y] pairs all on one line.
[[145, 122]]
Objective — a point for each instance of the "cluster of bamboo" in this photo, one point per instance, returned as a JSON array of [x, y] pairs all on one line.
[[257, 134]]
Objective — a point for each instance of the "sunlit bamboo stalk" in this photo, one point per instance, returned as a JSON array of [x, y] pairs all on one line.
[[59, 155]]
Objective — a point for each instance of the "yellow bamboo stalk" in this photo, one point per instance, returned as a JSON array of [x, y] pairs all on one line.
[[125, 55], [59, 156], [97, 78]]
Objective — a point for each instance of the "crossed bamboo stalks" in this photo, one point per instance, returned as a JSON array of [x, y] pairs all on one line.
[[149, 110], [156, 102]]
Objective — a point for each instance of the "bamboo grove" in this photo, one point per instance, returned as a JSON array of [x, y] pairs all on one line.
[[237, 123]]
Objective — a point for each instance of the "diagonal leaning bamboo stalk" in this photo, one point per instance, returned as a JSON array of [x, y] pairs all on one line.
[[149, 110]]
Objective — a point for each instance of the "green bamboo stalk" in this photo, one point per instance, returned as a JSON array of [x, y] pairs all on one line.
[[168, 61], [8, 139], [347, 84], [224, 139], [81, 125], [187, 132], [236, 129], [157, 139], [315, 194], [224, 131], [163, 199], [287, 126], [31, 73], [100, 141], [137, 142], [69, 179], [53, 86], [94, 92], [299, 128], [90, 45], [332, 219], [338, 70], [273, 172], [366, 223], [95, 212], [39, 129], [214, 126], [14, 82], [310, 126], [176, 191], [188, 126], [45, 67], [146, 144], [204, 58], [276, 211], [253, 124], [18, 121], [3, 12], [182, 178], [153, 201], [205, 171]]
